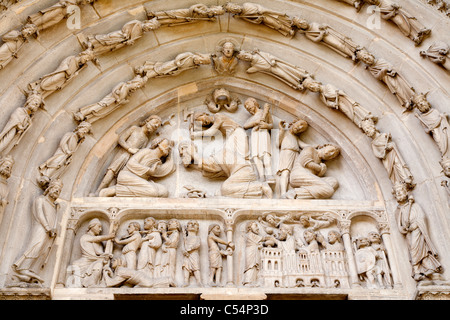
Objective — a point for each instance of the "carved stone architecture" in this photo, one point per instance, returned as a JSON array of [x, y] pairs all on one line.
[[224, 150]]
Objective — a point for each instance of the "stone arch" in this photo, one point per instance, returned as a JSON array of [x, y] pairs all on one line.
[[391, 115]]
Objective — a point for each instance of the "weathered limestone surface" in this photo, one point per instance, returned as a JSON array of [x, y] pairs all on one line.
[[290, 252]]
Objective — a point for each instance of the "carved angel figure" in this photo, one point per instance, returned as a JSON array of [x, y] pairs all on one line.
[[109, 103], [197, 12], [322, 33], [67, 70], [19, 122], [13, 41], [182, 62], [134, 180], [127, 36], [257, 14], [436, 124], [308, 174], [266, 63], [438, 53], [51, 16], [407, 24], [43, 234], [130, 142], [56, 164], [385, 72], [386, 150], [337, 99]]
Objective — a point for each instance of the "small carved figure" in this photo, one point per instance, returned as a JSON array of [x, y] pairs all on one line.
[[151, 242], [307, 177], [322, 33], [182, 62], [311, 244], [56, 164], [169, 250], [13, 41], [381, 261], [195, 13], [130, 142], [257, 14], [134, 179], [43, 234], [112, 101], [266, 63], [385, 72], [407, 24], [93, 254], [253, 245], [222, 99], [290, 146], [438, 53], [66, 71], [366, 263], [6, 164], [131, 242], [215, 254], [19, 122], [386, 150], [411, 221], [227, 62], [119, 274], [333, 242], [338, 99], [127, 36], [436, 124], [191, 255], [51, 16], [316, 222], [260, 123]]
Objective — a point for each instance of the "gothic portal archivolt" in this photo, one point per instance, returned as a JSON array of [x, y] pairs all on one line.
[[246, 149]]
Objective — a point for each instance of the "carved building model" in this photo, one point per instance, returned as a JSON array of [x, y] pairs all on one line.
[[266, 149]]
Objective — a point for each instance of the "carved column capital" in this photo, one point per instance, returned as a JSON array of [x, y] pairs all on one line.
[[344, 226]]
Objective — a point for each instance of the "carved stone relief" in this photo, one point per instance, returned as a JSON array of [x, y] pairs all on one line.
[[280, 250], [275, 250]]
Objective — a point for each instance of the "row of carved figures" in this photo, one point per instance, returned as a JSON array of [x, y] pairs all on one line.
[[226, 62], [250, 12], [410, 219]]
